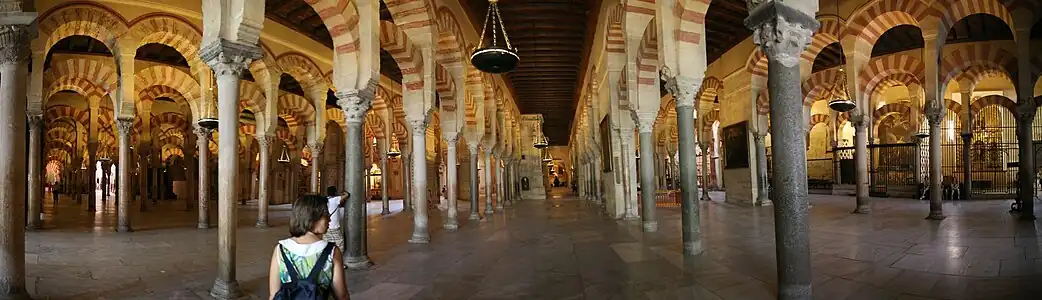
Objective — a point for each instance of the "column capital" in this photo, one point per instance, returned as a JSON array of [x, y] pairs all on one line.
[[782, 31], [14, 43], [125, 126], [418, 126], [35, 122], [202, 133], [857, 118], [229, 58], [473, 148], [315, 147], [683, 88], [935, 111], [265, 141], [1025, 111], [356, 103]]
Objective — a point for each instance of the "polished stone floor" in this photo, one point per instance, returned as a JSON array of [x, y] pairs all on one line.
[[563, 249]]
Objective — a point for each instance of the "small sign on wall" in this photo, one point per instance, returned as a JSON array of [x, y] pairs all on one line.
[[736, 146]]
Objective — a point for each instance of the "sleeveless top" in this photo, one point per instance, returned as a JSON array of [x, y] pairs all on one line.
[[304, 257]]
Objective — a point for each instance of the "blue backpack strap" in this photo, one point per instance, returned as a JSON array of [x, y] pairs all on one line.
[[293, 276], [320, 263]]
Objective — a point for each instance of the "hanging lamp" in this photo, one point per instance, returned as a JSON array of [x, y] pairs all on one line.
[[284, 157], [208, 121], [393, 151], [541, 142], [495, 58], [547, 157], [841, 100]]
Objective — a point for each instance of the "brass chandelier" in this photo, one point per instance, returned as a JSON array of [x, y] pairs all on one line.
[[495, 58]]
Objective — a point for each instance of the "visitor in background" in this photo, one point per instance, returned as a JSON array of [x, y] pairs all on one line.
[[335, 204], [305, 250]]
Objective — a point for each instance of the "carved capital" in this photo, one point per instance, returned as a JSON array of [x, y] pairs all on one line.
[[783, 32], [355, 104], [935, 112], [14, 44], [684, 89], [201, 133], [316, 148], [1026, 112], [229, 58], [418, 126], [265, 142], [35, 122], [857, 118], [125, 126]]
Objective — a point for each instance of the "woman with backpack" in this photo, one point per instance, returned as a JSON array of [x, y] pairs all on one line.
[[304, 266]]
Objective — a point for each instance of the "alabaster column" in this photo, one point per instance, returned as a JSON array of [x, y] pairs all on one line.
[[420, 232], [35, 172], [936, 187], [355, 104], [500, 183], [385, 201], [14, 56], [451, 186], [487, 178], [264, 192], [862, 201]]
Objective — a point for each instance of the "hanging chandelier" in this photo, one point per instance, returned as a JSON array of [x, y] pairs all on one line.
[[541, 142], [495, 58], [547, 157], [284, 157], [841, 99]]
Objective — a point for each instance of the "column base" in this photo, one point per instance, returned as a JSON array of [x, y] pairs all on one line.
[[385, 212], [794, 291], [767, 202], [650, 226], [693, 248], [124, 228], [631, 218], [499, 207], [862, 209], [451, 227], [260, 224], [489, 211], [474, 216], [420, 239], [225, 290], [203, 226], [16, 294], [935, 215], [33, 227], [358, 263]]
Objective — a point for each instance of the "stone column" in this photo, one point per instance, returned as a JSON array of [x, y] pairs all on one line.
[[935, 115], [474, 179], [783, 32], [500, 183], [407, 182], [142, 176], [763, 197], [967, 140], [202, 138], [647, 176], [228, 61], [1025, 117], [125, 126], [420, 232], [35, 175], [705, 172], [487, 178], [864, 203], [316, 162], [451, 184], [264, 192], [684, 90], [385, 177], [14, 56], [92, 158], [355, 103]]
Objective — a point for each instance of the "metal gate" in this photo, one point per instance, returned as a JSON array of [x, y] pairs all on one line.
[[994, 156], [845, 165], [892, 170]]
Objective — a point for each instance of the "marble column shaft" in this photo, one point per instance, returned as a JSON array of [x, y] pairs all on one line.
[[35, 172], [14, 55], [689, 210], [203, 144], [475, 213], [936, 175], [355, 103], [1025, 117], [451, 223], [92, 158], [763, 196], [125, 127], [500, 183], [228, 69], [384, 180], [316, 163], [783, 32], [862, 201], [264, 191], [487, 178], [420, 232], [647, 178]]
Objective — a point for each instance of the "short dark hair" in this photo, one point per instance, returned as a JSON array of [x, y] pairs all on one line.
[[307, 210], [331, 191]]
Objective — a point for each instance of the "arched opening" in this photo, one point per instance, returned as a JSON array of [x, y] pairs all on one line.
[[160, 53]]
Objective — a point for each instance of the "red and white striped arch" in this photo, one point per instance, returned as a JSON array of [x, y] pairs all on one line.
[[149, 94], [170, 30], [446, 88], [952, 11], [820, 82], [303, 70], [100, 75], [408, 57], [171, 77], [828, 33], [301, 110], [986, 101], [78, 18], [880, 68], [450, 38], [648, 59], [982, 56], [870, 21]]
